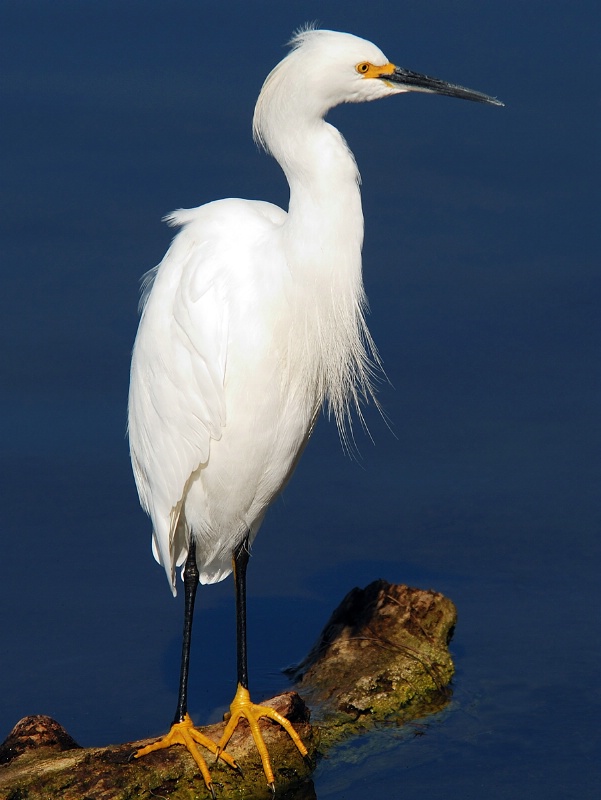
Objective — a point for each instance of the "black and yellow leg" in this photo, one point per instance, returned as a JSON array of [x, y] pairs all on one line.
[[241, 705], [182, 729]]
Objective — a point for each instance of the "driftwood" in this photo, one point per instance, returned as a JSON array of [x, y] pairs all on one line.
[[382, 657]]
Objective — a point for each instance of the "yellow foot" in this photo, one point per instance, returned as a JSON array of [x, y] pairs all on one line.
[[242, 707], [185, 733]]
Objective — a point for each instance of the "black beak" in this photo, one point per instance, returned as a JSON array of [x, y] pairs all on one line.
[[416, 82]]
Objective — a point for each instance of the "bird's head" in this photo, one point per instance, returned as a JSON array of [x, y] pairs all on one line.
[[326, 68]]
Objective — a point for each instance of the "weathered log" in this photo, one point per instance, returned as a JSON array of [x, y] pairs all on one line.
[[382, 656]]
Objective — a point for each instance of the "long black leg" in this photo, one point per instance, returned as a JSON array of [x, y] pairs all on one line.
[[191, 576], [240, 562], [241, 705]]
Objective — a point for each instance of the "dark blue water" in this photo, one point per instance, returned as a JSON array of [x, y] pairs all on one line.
[[482, 268]]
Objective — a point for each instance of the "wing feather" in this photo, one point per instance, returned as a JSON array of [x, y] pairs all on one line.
[[177, 402]]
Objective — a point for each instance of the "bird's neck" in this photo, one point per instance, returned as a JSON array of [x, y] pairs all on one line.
[[324, 229], [322, 237]]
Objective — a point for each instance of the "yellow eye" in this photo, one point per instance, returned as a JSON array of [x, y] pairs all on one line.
[[363, 67]]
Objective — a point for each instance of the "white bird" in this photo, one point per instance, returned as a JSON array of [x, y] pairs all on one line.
[[251, 323]]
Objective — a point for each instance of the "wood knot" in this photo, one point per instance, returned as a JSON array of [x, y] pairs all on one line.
[[33, 732]]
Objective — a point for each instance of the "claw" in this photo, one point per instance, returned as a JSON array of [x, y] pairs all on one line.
[[186, 734], [243, 707]]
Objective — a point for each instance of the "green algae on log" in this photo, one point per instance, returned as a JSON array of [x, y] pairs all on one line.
[[382, 656]]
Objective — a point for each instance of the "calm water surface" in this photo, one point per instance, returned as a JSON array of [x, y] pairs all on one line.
[[482, 268]]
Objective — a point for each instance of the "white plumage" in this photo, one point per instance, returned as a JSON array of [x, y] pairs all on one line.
[[255, 318], [251, 321]]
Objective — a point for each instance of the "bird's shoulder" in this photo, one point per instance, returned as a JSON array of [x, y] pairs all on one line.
[[220, 218], [218, 245]]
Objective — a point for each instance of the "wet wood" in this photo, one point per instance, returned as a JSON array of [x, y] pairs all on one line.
[[382, 657]]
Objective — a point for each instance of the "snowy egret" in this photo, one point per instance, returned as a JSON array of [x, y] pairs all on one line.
[[253, 320]]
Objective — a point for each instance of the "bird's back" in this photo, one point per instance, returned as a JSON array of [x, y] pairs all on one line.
[[218, 411]]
